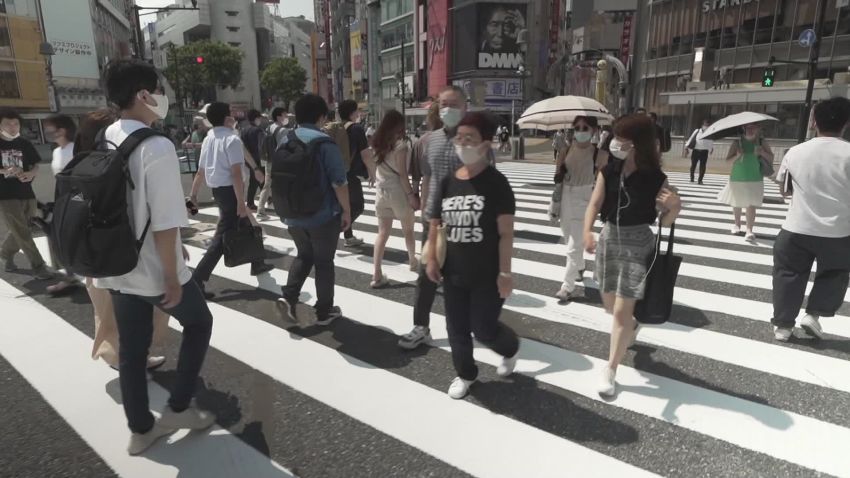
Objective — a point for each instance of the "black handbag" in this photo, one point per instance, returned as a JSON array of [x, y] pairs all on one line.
[[657, 303], [244, 244]]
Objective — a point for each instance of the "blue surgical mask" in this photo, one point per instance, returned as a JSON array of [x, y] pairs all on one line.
[[450, 116], [583, 136]]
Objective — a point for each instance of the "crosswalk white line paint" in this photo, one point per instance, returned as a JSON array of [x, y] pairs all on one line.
[[383, 400], [744, 423], [769, 358], [53, 356], [728, 210]]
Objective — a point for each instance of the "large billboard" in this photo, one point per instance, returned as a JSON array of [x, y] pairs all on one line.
[[68, 28], [499, 27]]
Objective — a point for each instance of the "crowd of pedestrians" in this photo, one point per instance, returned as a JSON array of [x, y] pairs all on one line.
[[312, 170]]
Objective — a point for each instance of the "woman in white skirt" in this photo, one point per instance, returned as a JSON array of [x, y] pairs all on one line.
[[745, 188], [575, 170]]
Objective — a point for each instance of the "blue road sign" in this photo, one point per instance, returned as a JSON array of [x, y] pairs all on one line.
[[807, 38]]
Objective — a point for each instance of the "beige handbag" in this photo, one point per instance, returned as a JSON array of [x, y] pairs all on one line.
[[440, 248]]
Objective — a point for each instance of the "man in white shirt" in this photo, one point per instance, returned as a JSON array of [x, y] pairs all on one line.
[[221, 165], [161, 278], [817, 227], [700, 149]]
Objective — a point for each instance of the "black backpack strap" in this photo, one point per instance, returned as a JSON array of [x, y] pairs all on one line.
[[126, 148]]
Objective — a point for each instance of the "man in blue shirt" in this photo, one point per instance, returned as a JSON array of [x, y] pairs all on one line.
[[316, 236]]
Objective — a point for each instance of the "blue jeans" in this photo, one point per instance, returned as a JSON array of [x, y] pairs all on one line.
[[133, 314]]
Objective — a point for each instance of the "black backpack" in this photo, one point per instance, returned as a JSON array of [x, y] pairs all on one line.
[[296, 178], [270, 143], [91, 231]]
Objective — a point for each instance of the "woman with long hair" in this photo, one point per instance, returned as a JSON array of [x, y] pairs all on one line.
[[476, 206], [745, 189], [630, 192], [394, 196], [575, 168], [105, 328]]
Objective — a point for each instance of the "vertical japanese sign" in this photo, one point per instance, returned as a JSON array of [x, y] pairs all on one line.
[[356, 63], [626, 39]]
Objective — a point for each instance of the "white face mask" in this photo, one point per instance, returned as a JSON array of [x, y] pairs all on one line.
[[161, 108], [583, 136], [618, 153], [9, 136], [450, 116], [469, 154]]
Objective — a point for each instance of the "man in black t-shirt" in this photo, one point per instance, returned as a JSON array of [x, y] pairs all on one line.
[[361, 165], [17, 200], [252, 137]]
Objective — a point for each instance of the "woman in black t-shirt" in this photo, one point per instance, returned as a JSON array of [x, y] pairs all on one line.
[[629, 192], [476, 205]]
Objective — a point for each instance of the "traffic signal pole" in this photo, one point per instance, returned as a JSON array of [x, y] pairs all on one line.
[[814, 53]]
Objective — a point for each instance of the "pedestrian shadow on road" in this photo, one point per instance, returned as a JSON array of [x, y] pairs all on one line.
[[553, 411], [669, 383]]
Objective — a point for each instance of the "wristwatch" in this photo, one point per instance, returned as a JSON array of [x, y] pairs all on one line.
[[506, 275]]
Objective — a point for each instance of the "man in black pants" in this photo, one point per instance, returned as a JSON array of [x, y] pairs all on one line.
[[316, 236], [817, 227], [360, 168], [700, 149], [221, 165], [252, 138], [161, 278]]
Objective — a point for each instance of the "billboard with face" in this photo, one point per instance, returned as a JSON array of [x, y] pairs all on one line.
[[500, 26]]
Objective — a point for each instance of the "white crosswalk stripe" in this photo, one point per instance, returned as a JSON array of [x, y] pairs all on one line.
[[709, 393]]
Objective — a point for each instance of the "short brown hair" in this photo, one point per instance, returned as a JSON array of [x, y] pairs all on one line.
[[481, 121], [640, 130], [91, 124]]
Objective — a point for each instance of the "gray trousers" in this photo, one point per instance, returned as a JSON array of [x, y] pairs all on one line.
[[793, 255]]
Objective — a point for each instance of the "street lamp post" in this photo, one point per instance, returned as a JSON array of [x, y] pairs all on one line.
[[523, 73]]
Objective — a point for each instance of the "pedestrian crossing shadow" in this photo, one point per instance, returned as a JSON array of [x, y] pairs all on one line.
[[669, 383], [554, 411]]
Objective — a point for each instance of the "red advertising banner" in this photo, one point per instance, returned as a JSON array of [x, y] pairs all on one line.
[[626, 39]]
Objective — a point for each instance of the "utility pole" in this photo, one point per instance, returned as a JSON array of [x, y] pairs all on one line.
[[814, 54]]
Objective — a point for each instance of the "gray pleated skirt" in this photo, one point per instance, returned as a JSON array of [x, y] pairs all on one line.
[[622, 259]]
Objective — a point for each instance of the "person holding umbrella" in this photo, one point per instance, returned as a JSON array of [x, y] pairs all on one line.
[[745, 189]]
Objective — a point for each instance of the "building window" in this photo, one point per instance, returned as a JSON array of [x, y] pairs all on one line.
[[231, 13], [234, 43], [233, 29], [8, 80], [5, 43]]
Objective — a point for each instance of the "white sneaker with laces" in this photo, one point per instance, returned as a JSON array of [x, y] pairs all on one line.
[[783, 334], [507, 366], [191, 418], [140, 442], [564, 294], [459, 388], [736, 231], [811, 324], [416, 337], [607, 384]]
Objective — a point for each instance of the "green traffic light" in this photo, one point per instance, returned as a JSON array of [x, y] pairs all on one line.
[[767, 77]]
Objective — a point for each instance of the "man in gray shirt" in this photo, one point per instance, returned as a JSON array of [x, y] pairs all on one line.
[[440, 161]]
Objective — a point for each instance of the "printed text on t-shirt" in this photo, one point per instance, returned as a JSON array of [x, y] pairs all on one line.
[[462, 217]]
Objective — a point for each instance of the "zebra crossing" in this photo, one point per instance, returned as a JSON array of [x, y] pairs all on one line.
[[707, 394]]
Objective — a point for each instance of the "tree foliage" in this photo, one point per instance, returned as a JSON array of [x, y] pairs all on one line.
[[222, 67], [284, 78]]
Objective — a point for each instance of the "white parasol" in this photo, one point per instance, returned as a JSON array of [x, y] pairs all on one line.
[[732, 124], [560, 111]]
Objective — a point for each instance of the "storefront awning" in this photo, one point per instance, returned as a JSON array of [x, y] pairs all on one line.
[[778, 94]]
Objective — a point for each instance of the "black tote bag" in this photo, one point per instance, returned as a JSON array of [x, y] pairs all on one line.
[[657, 303], [244, 244]]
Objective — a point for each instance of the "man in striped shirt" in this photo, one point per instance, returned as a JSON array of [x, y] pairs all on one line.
[[440, 161]]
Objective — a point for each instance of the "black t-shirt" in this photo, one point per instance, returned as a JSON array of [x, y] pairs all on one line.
[[636, 200], [17, 153], [252, 137], [469, 209], [358, 143]]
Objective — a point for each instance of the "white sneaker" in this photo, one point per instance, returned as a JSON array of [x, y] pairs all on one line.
[[783, 334], [416, 337], [811, 325], [607, 384], [750, 237], [507, 366], [191, 418], [155, 362], [459, 388], [353, 242], [736, 231], [565, 294], [140, 442]]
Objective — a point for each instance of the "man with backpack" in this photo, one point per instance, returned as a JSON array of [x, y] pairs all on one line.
[[350, 136], [160, 277], [221, 165], [275, 135], [310, 194], [19, 165]]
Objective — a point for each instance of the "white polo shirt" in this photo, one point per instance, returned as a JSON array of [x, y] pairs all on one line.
[[158, 195], [820, 174], [220, 150], [61, 157]]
